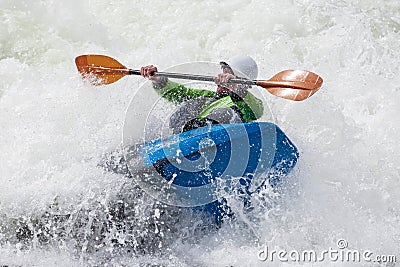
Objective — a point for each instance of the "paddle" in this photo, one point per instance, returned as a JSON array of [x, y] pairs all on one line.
[[294, 85]]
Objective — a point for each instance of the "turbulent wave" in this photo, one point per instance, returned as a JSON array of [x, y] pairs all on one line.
[[57, 207]]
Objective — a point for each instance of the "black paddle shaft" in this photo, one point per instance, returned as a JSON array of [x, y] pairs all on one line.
[[193, 77]]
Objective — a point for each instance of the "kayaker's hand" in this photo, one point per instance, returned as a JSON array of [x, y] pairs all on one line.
[[148, 71], [223, 80]]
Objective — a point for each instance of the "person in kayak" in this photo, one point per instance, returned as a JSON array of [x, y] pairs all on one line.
[[231, 103]]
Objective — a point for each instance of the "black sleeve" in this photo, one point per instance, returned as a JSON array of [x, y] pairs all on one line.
[[238, 94]]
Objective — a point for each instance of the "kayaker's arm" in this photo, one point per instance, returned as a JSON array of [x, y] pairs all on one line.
[[176, 93], [250, 106], [172, 91]]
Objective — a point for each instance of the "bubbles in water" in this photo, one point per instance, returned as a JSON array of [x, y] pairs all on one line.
[[57, 207]]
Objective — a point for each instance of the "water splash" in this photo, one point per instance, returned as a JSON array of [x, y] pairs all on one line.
[[55, 201]]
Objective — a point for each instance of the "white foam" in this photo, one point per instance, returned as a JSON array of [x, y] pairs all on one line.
[[54, 128]]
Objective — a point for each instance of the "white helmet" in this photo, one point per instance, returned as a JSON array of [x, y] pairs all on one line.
[[243, 66]]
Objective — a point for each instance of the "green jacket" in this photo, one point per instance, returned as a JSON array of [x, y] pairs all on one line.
[[250, 107]]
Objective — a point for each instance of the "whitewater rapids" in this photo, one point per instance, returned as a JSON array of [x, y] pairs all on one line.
[[58, 208]]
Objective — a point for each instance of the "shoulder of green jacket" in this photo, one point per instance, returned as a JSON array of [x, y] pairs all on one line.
[[250, 106], [176, 93]]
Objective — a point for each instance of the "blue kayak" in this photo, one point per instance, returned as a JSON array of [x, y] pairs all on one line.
[[248, 151]]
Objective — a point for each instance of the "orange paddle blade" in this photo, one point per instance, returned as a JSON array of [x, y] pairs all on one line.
[[291, 93], [300, 79], [99, 69], [294, 85]]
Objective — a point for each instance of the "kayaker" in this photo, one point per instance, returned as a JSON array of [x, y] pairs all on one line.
[[231, 103]]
